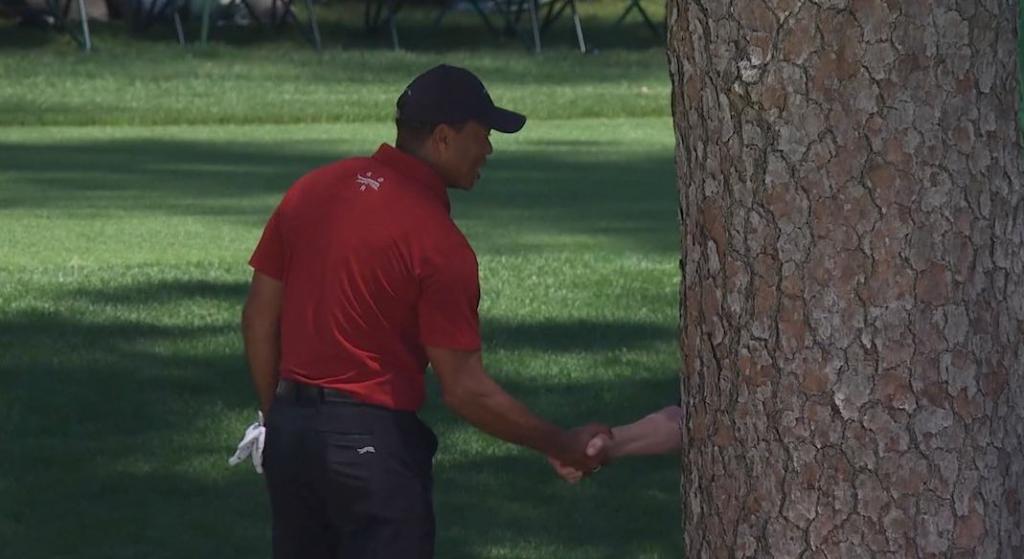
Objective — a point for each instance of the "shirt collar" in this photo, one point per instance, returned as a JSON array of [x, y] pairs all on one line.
[[416, 170]]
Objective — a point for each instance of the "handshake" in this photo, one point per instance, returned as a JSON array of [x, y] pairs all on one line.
[[594, 445], [594, 442]]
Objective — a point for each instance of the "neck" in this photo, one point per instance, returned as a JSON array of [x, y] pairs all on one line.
[[423, 155]]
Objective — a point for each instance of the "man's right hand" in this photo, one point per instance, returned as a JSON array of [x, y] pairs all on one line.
[[577, 442], [599, 447]]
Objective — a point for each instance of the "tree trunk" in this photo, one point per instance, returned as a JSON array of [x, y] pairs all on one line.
[[852, 302]]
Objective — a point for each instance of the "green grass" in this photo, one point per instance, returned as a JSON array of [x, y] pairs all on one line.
[[249, 76], [134, 183]]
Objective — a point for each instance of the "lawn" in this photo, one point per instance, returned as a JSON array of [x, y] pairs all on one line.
[[134, 183]]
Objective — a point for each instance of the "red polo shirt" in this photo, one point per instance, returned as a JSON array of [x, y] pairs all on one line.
[[374, 269]]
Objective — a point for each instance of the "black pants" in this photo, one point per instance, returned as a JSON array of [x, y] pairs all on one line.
[[348, 480]]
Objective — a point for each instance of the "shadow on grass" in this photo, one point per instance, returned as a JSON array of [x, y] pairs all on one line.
[[515, 503], [146, 171], [167, 292], [572, 335], [63, 369], [113, 434], [552, 335], [587, 188]]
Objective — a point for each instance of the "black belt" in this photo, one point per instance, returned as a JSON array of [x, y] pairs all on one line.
[[302, 392]]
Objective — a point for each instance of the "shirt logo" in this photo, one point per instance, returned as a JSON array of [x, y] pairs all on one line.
[[366, 449], [367, 179]]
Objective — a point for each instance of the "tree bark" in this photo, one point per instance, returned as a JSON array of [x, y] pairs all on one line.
[[852, 299]]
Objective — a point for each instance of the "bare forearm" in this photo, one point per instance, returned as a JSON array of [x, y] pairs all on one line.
[[471, 393], [263, 351], [261, 332], [657, 433], [489, 408]]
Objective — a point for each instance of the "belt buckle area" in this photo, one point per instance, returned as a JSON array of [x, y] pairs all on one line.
[[296, 391], [302, 392], [284, 389], [335, 395]]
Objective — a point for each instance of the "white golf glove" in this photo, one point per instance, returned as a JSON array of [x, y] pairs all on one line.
[[251, 445]]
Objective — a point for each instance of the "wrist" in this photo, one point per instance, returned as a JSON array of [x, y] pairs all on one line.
[[554, 442], [616, 444]]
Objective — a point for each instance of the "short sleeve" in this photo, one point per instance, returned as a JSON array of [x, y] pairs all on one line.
[[269, 256], [448, 301]]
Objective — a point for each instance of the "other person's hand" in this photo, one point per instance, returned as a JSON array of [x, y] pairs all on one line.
[[599, 445]]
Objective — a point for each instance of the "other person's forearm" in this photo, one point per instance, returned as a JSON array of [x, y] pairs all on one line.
[[657, 433]]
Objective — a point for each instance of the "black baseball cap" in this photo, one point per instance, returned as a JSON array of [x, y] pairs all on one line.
[[451, 95]]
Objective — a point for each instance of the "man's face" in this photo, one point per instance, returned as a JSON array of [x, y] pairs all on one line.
[[465, 154]]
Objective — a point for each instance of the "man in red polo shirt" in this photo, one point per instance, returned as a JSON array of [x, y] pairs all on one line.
[[360, 279]]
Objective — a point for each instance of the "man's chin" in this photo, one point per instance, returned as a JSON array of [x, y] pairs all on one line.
[[463, 186], [471, 183]]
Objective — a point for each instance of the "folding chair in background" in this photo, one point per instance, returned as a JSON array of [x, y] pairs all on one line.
[[377, 12], [385, 12], [60, 18], [539, 26], [381, 12], [143, 17], [635, 5], [510, 12], [478, 6], [283, 11]]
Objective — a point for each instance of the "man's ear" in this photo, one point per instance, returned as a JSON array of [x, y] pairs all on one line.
[[441, 137]]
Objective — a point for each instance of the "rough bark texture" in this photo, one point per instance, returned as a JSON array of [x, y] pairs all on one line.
[[852, 309]]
